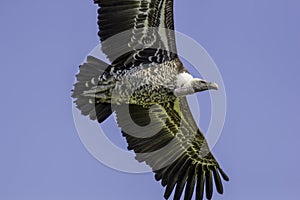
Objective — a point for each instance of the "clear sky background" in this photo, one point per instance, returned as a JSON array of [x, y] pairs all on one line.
[[256, 45]]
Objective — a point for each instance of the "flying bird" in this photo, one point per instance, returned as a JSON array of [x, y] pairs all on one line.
[[146, 86]]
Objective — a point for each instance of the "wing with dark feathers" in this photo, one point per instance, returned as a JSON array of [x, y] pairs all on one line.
[[167, 138], [136, 31]]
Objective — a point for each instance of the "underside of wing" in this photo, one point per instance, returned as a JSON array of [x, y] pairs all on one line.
[[136, 31], [167, 139]]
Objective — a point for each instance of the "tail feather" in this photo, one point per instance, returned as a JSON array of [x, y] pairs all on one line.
[[88, 77]]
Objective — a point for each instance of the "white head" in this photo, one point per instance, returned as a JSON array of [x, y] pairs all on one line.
[[186, 84]]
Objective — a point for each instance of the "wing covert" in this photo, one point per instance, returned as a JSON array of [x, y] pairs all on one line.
[[134, 32]]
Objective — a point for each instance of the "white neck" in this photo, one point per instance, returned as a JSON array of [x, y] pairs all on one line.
[[184, 79]]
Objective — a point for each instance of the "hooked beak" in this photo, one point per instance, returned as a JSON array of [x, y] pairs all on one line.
[[200, 85], [212, 86]]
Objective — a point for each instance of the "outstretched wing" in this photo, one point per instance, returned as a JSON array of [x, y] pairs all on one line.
[[167, 138], [136, 31]]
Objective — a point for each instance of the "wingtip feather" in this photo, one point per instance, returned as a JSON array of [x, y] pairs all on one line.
[[208, 181], [224, 175]]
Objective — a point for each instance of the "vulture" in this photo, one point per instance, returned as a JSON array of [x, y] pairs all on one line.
[[145, 85]]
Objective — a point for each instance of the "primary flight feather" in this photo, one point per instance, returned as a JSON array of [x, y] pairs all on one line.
[[146, 86]]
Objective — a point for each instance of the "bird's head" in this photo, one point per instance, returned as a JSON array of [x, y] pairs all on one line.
[[200, 85], [186, 85]]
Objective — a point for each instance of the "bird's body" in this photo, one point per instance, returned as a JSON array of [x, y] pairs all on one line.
[[145, 85], [134, 85]]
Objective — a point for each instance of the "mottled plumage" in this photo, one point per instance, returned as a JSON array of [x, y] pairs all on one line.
[[145, 85]]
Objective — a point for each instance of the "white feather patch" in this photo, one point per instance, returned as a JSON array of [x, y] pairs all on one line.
[[184, 79]]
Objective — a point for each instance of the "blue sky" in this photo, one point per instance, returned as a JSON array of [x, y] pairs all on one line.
[[256, 46]]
